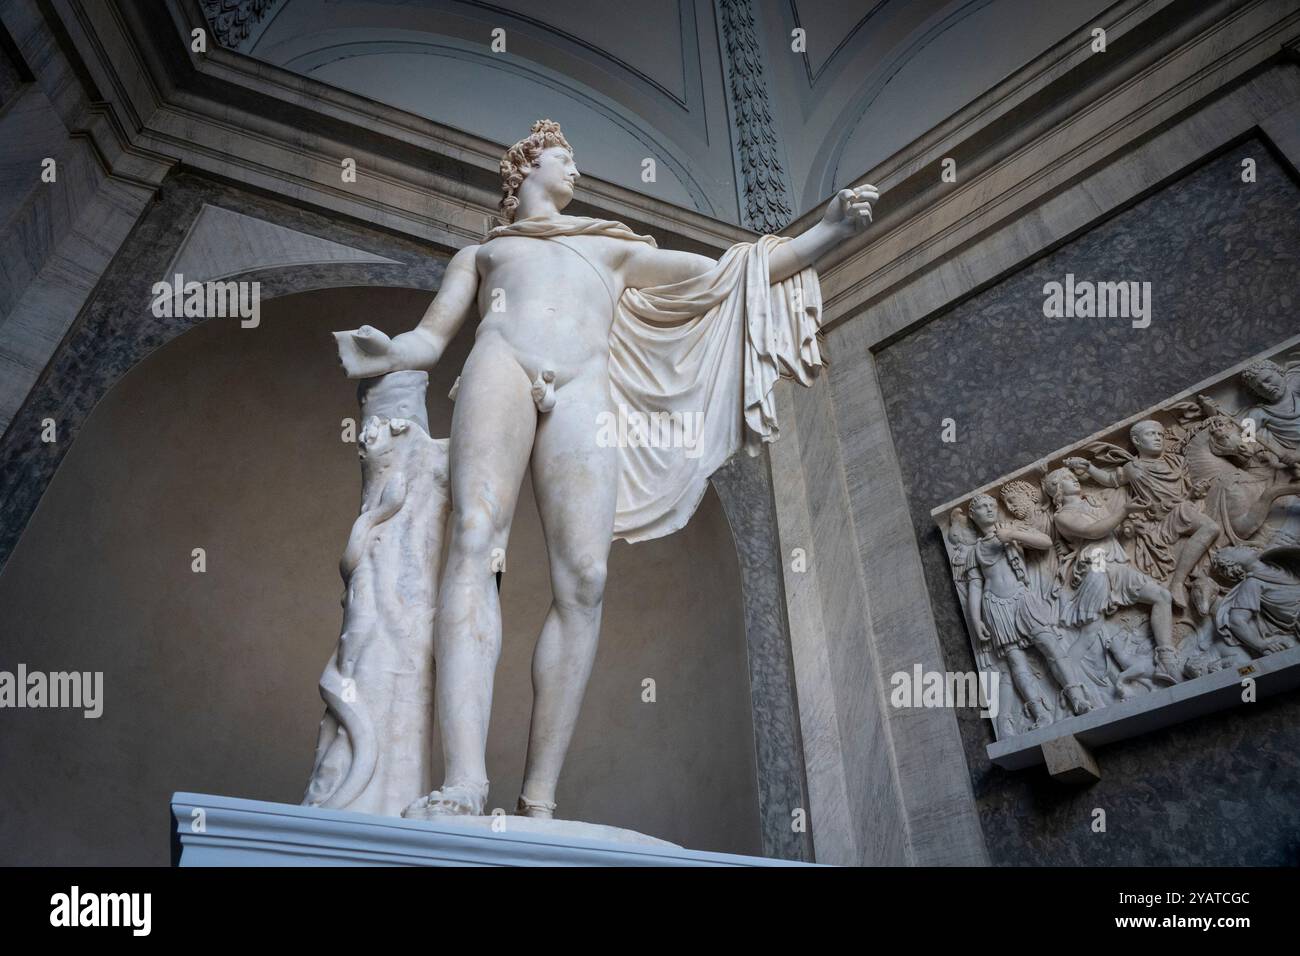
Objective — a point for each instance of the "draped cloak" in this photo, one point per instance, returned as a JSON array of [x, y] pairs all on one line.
[[711, 347]]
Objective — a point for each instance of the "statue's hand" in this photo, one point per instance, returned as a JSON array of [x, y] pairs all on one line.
[[365, 352], [850, 211]]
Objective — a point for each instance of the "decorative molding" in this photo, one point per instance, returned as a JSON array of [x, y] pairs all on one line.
[[1082, 118], [424, 179], [210, 830], [764, 189], [233, 21], [375, 42]]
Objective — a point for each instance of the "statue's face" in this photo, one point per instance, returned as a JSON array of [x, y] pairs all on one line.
[[555, 173], [1017, 503], [1270, 386], [1066, 484], [984, 512], [1149, 437]]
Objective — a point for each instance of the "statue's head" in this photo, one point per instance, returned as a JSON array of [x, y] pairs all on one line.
[[1148, 437], [1060, 482], [1231, 564], [543, 159], [1021, 498], [983, 511], [1265, 379]]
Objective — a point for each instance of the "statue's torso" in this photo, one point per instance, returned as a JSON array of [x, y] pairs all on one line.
[[999, 577], [545, 302]]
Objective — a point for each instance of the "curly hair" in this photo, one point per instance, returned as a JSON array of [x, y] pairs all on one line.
[[1252, 373], [1230, 563], [1013, 489], [520, 157]]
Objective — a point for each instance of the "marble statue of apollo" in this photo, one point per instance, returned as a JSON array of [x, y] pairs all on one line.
[[578, 316]]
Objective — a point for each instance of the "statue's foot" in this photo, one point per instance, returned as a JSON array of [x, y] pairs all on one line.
[[1038, 712], [1166, 666], [1178, 592], [453, 799], [536, 809], [1077, 699]]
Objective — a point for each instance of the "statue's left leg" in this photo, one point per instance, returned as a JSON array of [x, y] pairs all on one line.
[[1204, 531], [576, 485]]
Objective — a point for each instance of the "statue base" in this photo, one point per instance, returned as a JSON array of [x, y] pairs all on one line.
[[500, 824], [228, 831]]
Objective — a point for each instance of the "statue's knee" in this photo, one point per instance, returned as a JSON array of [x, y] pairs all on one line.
[[582, 586], [475, 538]]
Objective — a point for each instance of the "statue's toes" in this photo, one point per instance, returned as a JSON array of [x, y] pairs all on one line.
[[418, 804]]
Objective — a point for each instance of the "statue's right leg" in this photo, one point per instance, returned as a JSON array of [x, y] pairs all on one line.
[[492, 433], [1022, 675], [1162, 630], [1066, 670]]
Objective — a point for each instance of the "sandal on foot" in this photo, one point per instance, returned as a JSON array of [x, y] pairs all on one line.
[[461, 799], [537, 809]]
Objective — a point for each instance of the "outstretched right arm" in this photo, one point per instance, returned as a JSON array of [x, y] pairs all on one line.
[[367, 352]]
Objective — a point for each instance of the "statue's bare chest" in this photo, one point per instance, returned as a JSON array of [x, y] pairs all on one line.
[[567, 256]]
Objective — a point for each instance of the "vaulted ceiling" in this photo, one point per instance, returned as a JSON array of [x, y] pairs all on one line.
[[637, 79]]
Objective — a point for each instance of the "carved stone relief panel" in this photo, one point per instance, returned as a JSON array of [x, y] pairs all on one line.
[[1152, 554]]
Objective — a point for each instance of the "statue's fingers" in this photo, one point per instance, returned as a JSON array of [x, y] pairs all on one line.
[[867, 192]]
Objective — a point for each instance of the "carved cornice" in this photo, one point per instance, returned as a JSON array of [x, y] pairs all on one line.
[[232, 20], [242, 119], [765, 191], [1047, 125]]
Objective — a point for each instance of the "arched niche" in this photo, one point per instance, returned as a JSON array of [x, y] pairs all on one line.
[[229, 439]]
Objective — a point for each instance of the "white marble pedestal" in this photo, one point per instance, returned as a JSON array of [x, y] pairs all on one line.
[[228, 831]]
